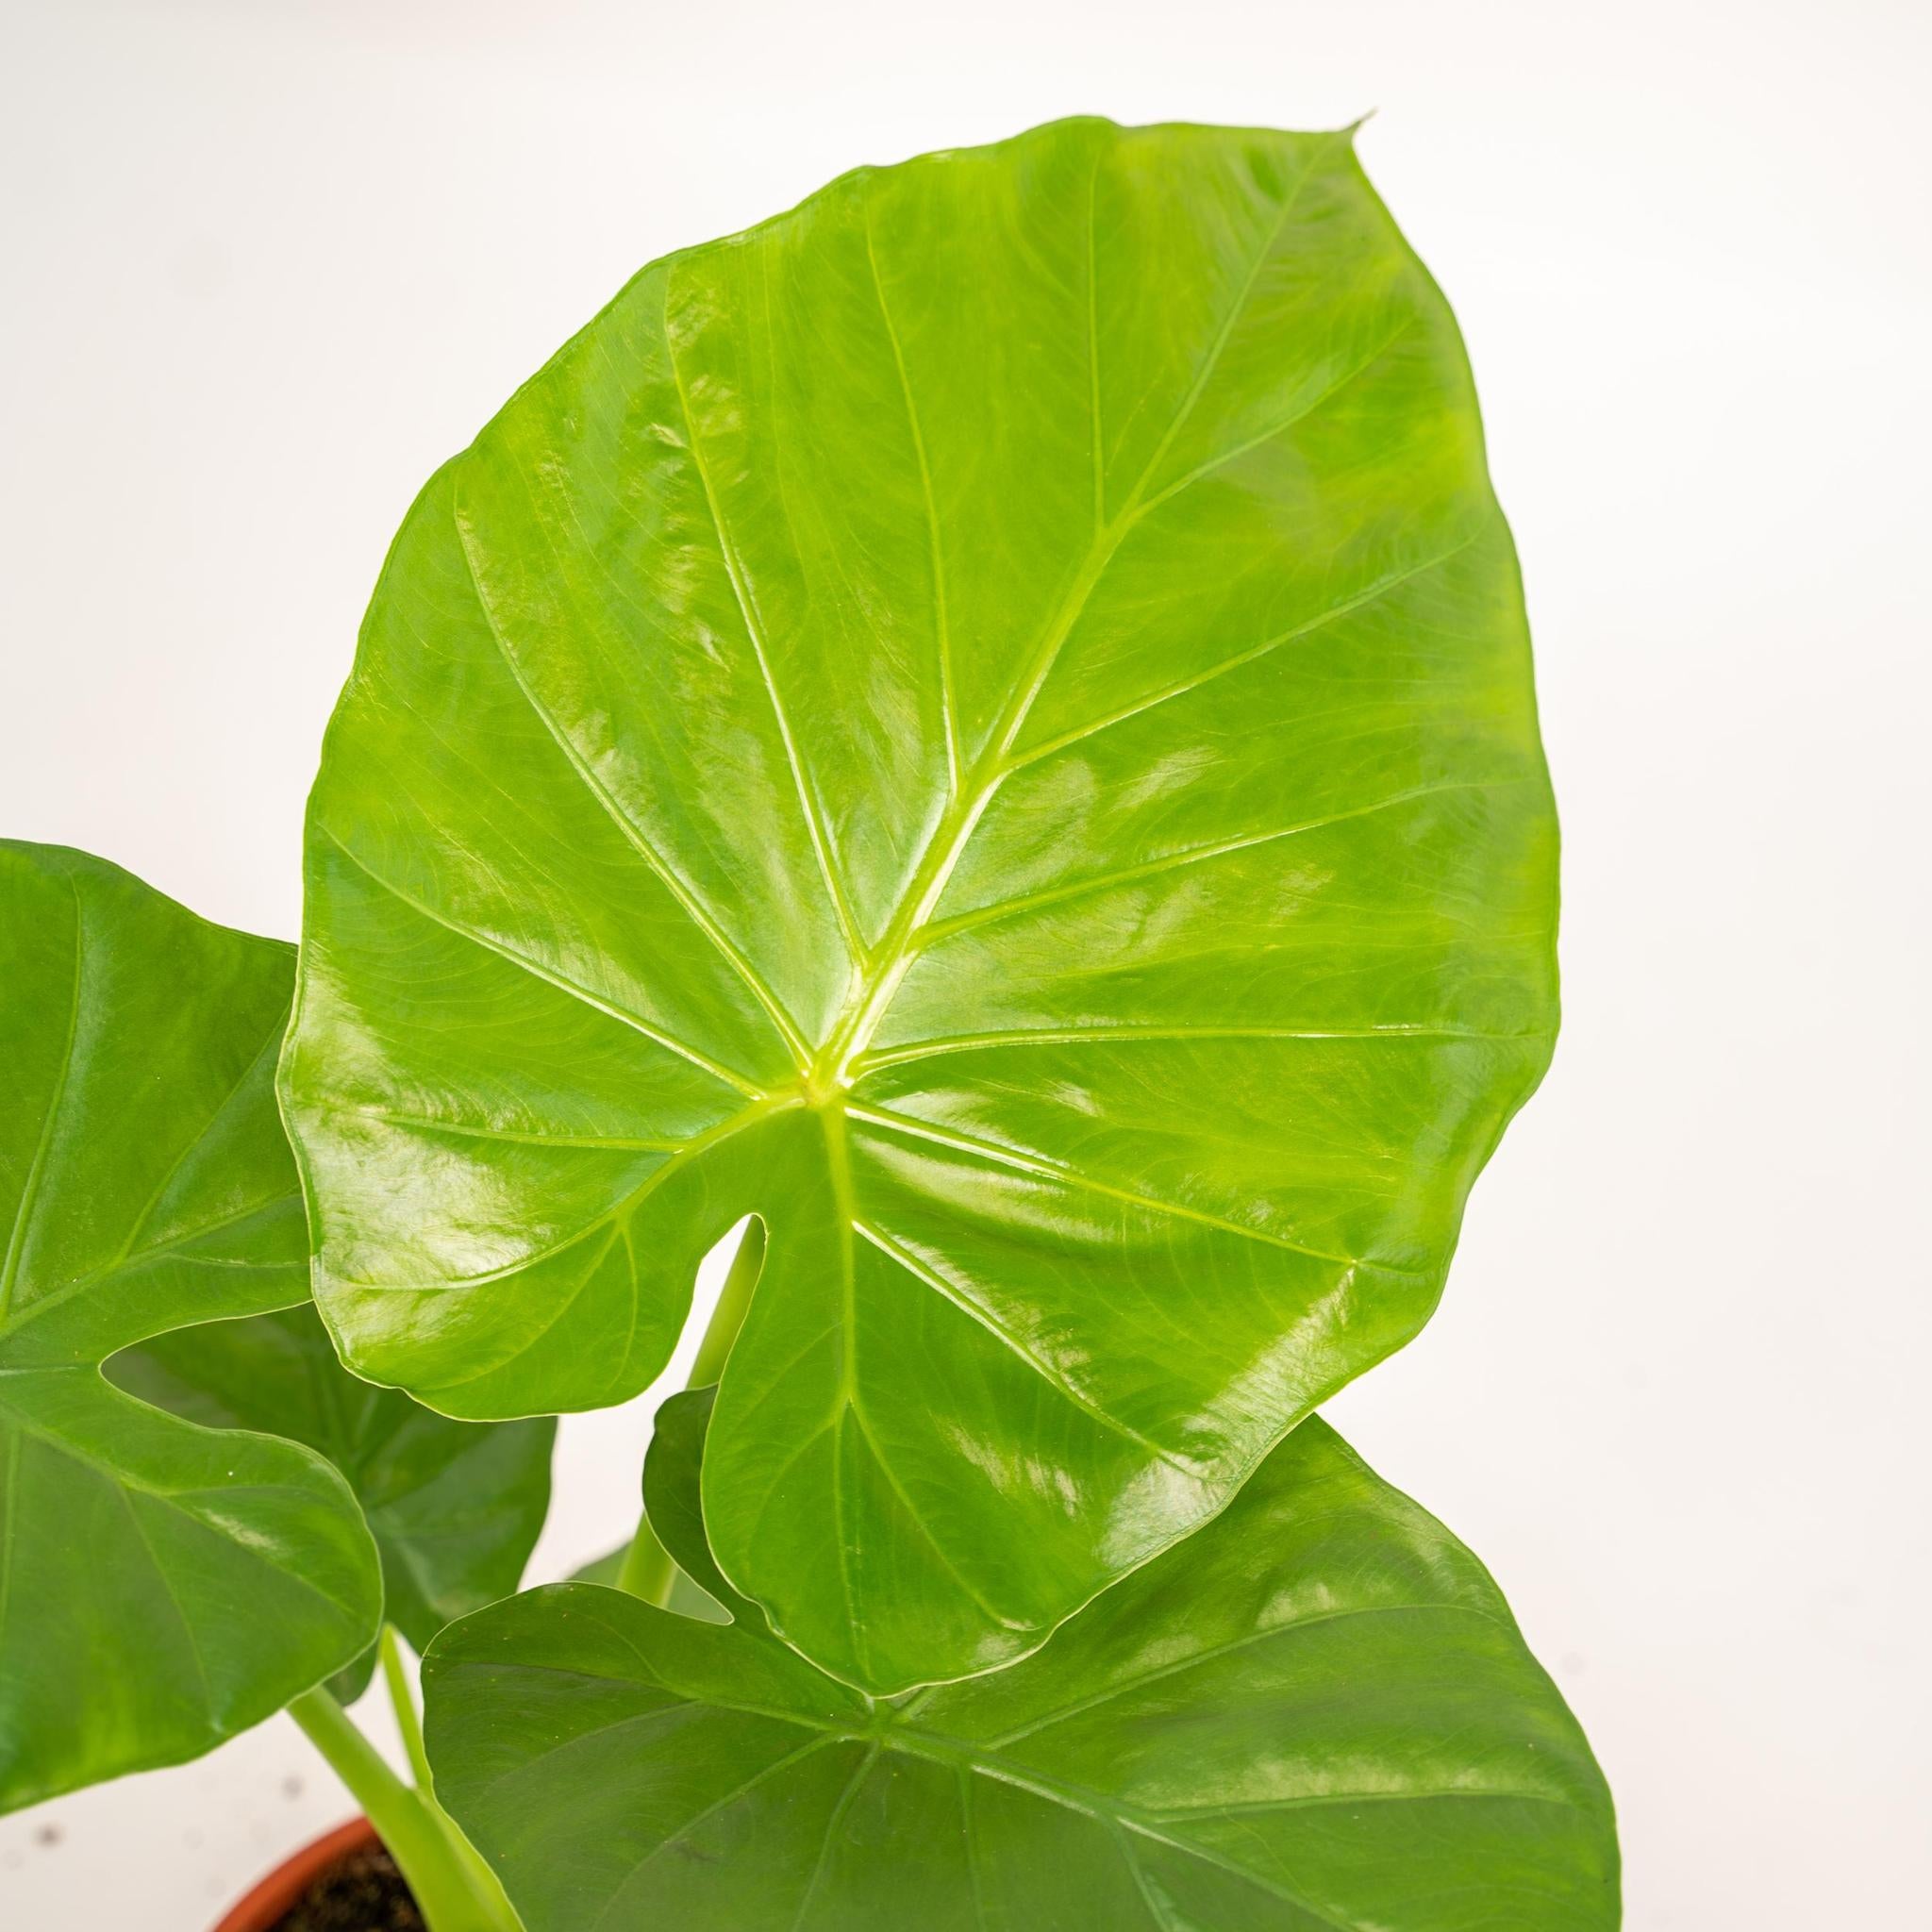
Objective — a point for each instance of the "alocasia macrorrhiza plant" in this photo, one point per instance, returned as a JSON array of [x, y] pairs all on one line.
[[986, 723]]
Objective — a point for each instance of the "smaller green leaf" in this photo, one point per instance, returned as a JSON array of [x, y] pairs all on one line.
[[163, 1586], [1314, 1716], [455, 1506]]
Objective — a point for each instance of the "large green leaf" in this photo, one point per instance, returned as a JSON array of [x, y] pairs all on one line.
[[988, 721], [1316, 1714], [455, 1506], [161, 1585]]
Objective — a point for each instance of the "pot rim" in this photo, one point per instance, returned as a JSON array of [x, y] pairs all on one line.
[[283, 1887]]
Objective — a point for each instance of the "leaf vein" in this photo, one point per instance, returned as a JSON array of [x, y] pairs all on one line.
[[1252, 654], [746, 601], [673, 881], [948, 704], [1176, 862], [548, 975], [1054, 1171], [1046, 1371]]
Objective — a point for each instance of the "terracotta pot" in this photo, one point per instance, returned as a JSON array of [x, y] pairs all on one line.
[[284, 1885]]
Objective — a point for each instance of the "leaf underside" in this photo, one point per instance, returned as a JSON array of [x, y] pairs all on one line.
[[1316, 1714], [163, 1586], [989, 721]]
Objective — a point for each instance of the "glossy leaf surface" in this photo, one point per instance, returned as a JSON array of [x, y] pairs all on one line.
[[1316, 1714], [455, 1507], [161, 1585], [988, 721]]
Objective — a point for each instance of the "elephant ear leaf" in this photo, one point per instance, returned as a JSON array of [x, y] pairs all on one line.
[[1318, 1713], [455, 1507], [989, 723], [163, 1586]]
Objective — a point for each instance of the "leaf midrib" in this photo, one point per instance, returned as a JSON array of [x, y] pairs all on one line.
[[887, 967]]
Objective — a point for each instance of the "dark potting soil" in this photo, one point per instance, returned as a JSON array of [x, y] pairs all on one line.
[[364, 1894]]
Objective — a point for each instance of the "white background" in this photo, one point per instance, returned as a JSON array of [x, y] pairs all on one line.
[[267, 263]]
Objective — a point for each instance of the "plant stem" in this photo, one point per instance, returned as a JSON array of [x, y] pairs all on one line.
[[648, 1570], [402, 1697], [421, 1841]]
